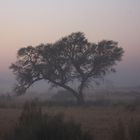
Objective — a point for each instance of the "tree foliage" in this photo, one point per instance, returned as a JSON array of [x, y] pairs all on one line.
[[72, 58]]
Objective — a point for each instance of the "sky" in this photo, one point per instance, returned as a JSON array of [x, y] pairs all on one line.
[[31, 22]]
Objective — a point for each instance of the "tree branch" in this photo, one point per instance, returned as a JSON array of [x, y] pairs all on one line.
[[64, 86]]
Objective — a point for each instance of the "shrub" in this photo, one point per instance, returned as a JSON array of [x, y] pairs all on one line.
[[34, 125]]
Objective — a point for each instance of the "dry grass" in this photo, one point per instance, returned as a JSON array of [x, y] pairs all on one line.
[[100, 121]]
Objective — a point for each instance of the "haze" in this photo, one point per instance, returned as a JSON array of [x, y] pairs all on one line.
[[31, 22]]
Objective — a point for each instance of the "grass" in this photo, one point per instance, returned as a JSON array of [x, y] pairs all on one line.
[[34, 125], [100, 121]]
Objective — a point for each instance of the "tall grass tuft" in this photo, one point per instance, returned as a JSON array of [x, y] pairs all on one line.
[[34, 125], [130, 132], [119, 133]]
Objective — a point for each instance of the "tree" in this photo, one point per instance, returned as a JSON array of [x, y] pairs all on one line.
[[72, 58]]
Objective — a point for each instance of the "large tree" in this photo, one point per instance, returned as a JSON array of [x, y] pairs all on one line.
[[71, 59]]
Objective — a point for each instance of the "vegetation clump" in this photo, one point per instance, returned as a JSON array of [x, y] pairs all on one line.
[[34, 125], [129, 132]]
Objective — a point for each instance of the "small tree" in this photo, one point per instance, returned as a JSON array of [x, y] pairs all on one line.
[[70, 59]]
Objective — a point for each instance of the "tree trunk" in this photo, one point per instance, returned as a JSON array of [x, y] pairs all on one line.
[[80, 99]]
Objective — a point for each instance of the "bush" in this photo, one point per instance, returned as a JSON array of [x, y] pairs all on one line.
[[33, 125]]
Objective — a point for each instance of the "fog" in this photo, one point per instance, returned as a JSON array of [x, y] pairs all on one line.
[[31, 23]]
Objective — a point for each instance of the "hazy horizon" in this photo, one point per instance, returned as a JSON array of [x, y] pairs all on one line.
[[31, 22]]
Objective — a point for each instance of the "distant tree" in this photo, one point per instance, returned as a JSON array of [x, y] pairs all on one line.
[[70, 59]]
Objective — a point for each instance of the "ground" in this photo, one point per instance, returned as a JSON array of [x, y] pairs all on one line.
[[100, 121]]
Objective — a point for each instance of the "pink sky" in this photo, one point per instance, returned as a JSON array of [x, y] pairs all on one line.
[[31, 22]]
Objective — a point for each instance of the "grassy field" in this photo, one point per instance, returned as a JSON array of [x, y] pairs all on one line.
[[100, 121]]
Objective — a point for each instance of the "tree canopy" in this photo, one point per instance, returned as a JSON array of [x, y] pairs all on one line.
[[72, 58]]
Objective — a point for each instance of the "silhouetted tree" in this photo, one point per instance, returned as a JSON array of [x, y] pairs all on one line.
[[70, 59]]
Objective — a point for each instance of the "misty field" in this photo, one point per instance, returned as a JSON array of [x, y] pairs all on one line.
[[99, 121]]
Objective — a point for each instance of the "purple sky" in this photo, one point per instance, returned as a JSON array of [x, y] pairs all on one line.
[[31, 22]]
